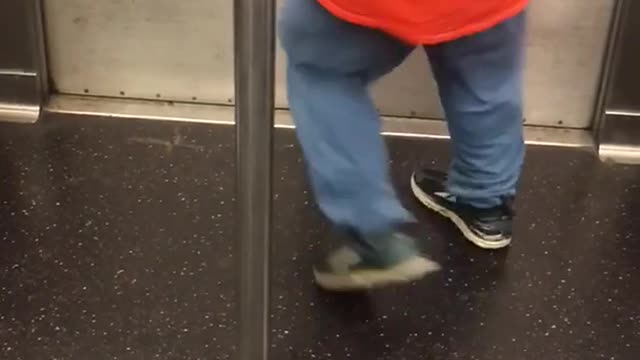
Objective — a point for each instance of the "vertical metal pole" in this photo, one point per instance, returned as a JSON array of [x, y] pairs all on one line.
[[254, 31]]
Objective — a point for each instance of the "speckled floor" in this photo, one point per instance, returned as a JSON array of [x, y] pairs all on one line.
[[117, 242]]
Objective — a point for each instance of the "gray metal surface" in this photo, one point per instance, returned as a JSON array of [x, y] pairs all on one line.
[[623, 92], [222, 114], [155, 49], [183, 51], [19, 87], [619, 131], [620, 138], [21, 63], [15, 48], [254, 33]]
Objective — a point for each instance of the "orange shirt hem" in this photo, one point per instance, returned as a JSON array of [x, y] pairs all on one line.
[[411, 32]]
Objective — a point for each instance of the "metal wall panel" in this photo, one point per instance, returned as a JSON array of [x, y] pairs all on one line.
[[182, 50], [21, 68], [619, 131], [624, 95], [16, 53]]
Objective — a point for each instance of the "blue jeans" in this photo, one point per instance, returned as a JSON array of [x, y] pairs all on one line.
[[331, 64]]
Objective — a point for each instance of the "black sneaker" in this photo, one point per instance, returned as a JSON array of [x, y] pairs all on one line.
[[487, 228], [359, 267]]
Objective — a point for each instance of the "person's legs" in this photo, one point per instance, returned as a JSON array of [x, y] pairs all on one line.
[[331, 63], [480, 82]]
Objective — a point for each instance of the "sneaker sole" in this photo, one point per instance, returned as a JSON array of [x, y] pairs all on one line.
[[430, 203], [410, 270]]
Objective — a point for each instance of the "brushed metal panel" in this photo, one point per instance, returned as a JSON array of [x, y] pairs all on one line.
[[19, 96], [182, 50], [620, 138], [19, 88], [24, 114], [179, 50], [16, 49], [21, 62], [624, 95], [224, 115], [565, 50]]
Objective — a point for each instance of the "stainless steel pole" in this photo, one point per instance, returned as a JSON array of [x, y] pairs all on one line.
[[254, 31]]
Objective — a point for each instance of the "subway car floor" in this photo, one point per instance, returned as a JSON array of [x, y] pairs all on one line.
[[117, 242]]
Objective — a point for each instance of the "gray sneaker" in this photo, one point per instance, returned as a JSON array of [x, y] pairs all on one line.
[[358, 266]]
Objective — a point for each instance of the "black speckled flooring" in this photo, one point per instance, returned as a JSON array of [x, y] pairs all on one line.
[[117, 242]]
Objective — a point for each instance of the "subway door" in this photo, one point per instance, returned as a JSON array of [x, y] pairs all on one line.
[[183, 51], [179, 51]]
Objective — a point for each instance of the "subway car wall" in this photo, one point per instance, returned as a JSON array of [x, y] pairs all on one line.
[[182, 51]]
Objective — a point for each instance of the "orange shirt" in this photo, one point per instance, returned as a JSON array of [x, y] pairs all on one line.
[[425, 21]]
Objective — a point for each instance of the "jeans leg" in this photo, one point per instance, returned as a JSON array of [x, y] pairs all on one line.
[[480, 83], [330, 65]]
